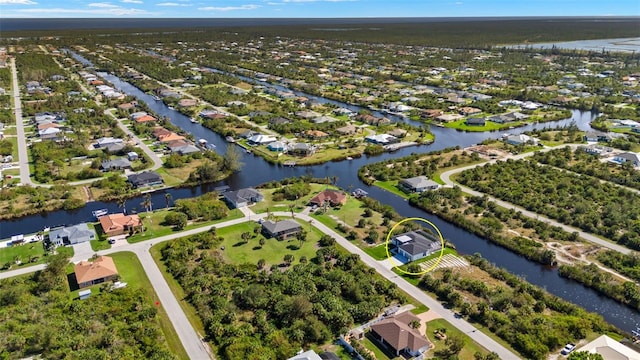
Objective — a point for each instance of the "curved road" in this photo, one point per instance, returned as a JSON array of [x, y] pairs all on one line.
[[446, 178], [191, 340]]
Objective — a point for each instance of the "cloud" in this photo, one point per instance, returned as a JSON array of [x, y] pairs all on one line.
[[131, 1], [171, 4], [309, 1], [100, 10], [17, 2], [229, 8], [103, 5]]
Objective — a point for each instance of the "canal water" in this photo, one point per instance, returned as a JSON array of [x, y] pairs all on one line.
[[256, 171]]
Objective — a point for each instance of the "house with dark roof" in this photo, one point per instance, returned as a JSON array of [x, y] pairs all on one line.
[[415, 245], [104, 141], [115, 164], [476, 121], [147, 178], [330, 197], [242, 197], [282, 229], [100, 270], [302, 149], [418, 184], [69, 235], [395, 334]]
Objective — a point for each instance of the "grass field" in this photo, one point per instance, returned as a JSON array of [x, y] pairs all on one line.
[[490, 126], [392, 187], [273, 251], [25, 252], [153, 223], [470, 346]]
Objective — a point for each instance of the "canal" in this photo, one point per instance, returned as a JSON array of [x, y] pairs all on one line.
[[256, 171]]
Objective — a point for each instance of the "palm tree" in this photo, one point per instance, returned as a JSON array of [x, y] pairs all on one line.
[[147, 204], [122, 202], [167, 199]]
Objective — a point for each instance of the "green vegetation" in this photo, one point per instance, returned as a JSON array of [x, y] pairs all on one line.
[[38, 318], [470, 347], [581, 162], [580, 201], [254, 247], [525, 316], [274, 308]]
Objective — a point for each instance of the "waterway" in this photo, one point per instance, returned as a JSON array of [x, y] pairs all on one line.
[[256, 171]]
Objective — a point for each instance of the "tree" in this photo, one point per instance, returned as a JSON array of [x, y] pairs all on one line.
[[261, 263], [262, 241], [231, 160], [288, 259], [146, 203], [415, 324], [167, 199], [176, 219], [584, 355]]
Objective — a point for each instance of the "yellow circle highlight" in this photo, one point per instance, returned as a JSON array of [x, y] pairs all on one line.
[[391, 257]]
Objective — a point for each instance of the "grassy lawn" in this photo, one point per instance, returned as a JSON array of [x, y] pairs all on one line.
[[154, 228], [377, 252], [14, 149], [392, 187], [23, 252], [273, 251], [490, 126], [470, 346], [373, 347], [269, 204], [179, 175]]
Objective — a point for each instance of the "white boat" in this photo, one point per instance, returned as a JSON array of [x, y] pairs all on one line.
[[101, 212], [230, 139], [156, 98], [170, 107], [349, 158], [193, 120], [202, 143]]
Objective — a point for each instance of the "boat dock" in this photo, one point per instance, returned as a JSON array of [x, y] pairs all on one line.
[[289, 163]]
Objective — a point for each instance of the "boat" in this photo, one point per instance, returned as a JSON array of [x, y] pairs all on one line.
[[349, 158], [156, 98], [202, 143], [193, 120], [170, 107], [230, 139], [101, 212]]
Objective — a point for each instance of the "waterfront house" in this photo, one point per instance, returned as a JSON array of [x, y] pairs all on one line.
[[147, 178], [330, 197], [381, 139], [627, 157], [69, 235], [242, 197], [415, 245], [476, 121], [302, 149], [418, 184], [119, 224], [347, 130], [276, 146]]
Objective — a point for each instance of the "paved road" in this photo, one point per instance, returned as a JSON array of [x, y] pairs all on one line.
[[23, 157], [446, 177], [461, 324], [157, 162], [191, 341]]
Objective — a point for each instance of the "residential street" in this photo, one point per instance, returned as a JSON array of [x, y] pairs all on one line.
[[23, 157], [192, 341], [446, 177]]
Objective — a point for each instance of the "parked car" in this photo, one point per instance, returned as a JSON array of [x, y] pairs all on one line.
[[567, 349]]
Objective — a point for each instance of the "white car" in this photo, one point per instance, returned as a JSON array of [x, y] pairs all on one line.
[[567, 349]]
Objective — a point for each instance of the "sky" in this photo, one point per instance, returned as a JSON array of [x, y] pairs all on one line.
[[312, 8]]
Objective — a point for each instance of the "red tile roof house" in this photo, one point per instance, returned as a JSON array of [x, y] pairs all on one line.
[[395, 334], [333, 197], [100, 270], [118, 224]]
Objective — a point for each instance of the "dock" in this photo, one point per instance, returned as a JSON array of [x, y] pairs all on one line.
[[289, 163]]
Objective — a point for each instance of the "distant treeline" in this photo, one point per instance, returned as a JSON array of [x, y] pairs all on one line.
[[454, 34]]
